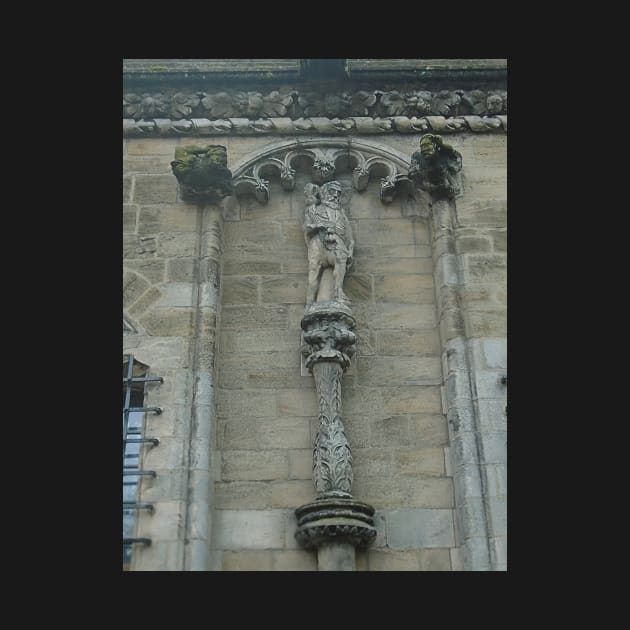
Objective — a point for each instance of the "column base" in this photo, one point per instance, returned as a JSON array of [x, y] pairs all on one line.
[[335, 520]]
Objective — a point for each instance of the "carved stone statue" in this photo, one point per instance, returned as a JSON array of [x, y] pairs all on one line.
[[329, 240], [202, 173], [335, 522], [435, 167]]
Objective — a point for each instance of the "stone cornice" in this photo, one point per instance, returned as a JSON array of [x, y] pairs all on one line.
[[215, 97], [144, 72], [195, 127]]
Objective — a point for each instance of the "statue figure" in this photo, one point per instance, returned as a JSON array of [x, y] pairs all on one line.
[[435, 167], [329, 240]]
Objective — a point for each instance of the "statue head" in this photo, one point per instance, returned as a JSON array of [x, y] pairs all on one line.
[[435, 165], [494, 104], [331, 191]]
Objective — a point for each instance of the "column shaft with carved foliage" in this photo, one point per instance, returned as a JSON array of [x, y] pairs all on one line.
[[332, 457]]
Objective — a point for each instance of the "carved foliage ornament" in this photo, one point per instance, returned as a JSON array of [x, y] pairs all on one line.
[[289, 102]]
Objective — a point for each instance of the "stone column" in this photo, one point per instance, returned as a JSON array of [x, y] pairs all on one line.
[[471, 520], [203, 179], [435, 168], [203, 402], [335, 523]]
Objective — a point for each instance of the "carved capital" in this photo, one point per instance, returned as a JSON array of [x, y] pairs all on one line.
[[202, 173], [328, 333]]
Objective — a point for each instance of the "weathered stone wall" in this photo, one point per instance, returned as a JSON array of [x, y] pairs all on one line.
[[479, 443], [181, 262], [172, 254]]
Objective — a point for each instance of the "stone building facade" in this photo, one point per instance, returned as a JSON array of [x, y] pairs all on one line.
[[214, 296]]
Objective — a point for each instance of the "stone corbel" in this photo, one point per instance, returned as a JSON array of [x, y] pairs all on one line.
[[360, 178], [287, 177], [391, 185], [202, 173], [436, 168]]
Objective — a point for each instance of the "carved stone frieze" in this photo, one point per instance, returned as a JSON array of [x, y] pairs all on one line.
[[291, 102], [309, 126], [202, 173]]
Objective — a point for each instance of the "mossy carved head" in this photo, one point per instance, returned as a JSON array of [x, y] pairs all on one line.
[[202, 173], [436, 167]]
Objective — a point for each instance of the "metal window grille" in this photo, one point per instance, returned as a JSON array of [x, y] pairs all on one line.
[[135, 377]]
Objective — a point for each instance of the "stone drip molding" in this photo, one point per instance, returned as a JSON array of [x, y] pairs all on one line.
[[311, 126], [294, 104]]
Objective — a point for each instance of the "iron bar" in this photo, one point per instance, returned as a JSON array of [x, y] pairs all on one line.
[[142, 379], [129, 505], [154, 441]]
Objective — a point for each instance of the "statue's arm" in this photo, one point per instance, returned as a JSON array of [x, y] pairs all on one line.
[[350, 238], [312, 224]]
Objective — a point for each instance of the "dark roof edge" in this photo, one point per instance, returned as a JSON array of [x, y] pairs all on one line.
[[180, 71]]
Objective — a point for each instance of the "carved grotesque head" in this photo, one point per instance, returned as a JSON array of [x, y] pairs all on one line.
[[429, 146], [202, 173], [435, 165], [494, 104]]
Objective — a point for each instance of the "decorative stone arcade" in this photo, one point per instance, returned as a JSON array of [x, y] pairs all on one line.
[[335, 523]]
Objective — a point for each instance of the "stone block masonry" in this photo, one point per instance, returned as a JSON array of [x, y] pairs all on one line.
[[218, 308], [391, 406]]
